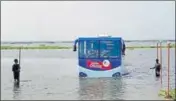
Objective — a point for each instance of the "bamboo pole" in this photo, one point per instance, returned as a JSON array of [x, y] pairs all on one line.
[[157, 50], [161, 61], [19, 55], [168, 63]]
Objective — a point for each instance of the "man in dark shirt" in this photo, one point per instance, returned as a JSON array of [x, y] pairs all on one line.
[[123, 48], [16, 70], [157, 68]]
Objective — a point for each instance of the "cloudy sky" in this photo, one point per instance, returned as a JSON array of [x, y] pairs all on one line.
[[67, 20]]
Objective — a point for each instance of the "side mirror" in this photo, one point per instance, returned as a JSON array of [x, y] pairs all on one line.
[[74, 48]]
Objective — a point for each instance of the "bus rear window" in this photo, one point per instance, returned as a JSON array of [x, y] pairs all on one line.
[[110, 49], [99, 49], [89, 49]]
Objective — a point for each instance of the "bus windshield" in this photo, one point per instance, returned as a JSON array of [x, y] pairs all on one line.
[[99, 49]]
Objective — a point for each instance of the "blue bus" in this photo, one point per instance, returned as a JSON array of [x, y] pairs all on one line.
[[100, 56]]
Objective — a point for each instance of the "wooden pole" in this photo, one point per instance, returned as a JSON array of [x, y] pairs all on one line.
[[19, 55], [161, 61], [157, 50], [168, 62]]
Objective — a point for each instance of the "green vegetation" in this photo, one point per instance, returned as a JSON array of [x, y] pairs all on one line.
[[132, 47], [33, 47], [171, 93], [61, 47]]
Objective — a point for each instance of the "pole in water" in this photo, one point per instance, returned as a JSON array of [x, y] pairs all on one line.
[[157, 50], [161, 61], [168, 87], [19, 55]]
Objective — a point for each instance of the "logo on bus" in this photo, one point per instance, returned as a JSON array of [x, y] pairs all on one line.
[[106, 63], [97, 64]]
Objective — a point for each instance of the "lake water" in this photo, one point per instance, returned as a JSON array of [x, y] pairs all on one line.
[[53, 74]]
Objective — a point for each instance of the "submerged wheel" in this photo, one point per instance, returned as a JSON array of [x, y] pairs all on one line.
[[116, 74], [81, 74]]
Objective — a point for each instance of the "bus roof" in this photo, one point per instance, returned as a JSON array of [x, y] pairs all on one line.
[[100, 38]]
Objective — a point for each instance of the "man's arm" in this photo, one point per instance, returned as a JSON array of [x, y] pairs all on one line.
[[19, 67], [153, 68], [12, 67]]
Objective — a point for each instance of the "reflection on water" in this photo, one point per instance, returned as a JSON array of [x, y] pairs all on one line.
[[100, 89], [16, 90]]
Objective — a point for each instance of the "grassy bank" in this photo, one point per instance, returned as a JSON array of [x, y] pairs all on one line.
[[33, 47], [171, 93], [60, 47], [134, 47]]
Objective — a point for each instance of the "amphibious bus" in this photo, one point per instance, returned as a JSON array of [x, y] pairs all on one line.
[[100, 56]]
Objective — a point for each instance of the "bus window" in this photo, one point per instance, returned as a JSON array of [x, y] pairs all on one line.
[[82, 48], [109, 49], [92, 49], [88, 49]]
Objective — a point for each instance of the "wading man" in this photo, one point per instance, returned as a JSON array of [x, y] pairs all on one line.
[[157, 68], [16, 70]]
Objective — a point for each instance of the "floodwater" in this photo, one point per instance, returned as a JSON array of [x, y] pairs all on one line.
[[53, 75]]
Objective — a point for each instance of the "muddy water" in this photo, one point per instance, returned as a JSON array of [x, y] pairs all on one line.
[[52, 74]]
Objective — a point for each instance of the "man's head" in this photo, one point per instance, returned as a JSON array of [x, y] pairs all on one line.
[[16, 60], [157, 60]]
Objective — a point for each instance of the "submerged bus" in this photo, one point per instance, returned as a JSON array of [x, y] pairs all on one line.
[[100, 56]]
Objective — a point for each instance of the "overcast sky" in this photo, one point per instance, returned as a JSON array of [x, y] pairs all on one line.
[[67, 20]]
